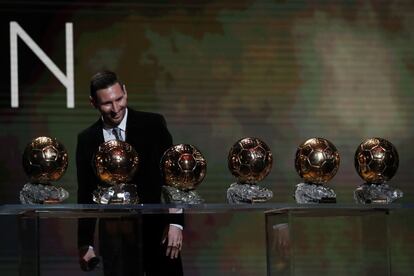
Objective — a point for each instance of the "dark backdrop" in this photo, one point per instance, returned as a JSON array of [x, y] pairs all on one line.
[[282, 71]]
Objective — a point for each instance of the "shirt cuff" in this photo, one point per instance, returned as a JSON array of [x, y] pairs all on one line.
[[177, 225], [175, 211]]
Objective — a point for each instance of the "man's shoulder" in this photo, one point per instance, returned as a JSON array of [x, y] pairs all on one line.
[[90, 131], [144, 117]]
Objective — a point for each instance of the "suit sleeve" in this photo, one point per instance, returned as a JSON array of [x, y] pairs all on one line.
[[86, 185]]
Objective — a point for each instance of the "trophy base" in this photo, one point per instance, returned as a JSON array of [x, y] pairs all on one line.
[[117, 194], [376, 193], [313, 193], [33, 193], [247, 193], [174, 195]]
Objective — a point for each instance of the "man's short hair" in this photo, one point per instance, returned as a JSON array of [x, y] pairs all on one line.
[[102, 80]]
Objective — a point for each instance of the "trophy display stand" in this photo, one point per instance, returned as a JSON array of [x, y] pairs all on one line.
[[29, 245], [33, 224], [323, 241], [280, 239]]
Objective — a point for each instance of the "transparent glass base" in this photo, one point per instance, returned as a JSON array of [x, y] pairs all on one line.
[[248, 193], [117, 194], [376, 193], [314, 193], [33, 193], [174, 195]]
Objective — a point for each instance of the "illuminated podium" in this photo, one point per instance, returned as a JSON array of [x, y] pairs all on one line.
[[332, 239], [223, 239], [41, 227], [42, 239]]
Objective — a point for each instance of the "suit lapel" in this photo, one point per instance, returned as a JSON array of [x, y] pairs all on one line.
[[97, 132], [134, 131]]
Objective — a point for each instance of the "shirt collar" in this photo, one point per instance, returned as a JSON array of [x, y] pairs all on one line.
[[122, 124]]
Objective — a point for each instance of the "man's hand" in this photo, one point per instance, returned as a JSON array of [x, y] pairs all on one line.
[[87, 258], [174, 239], [282, 241]]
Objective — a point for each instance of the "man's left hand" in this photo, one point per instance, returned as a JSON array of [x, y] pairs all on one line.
[[174, 239]]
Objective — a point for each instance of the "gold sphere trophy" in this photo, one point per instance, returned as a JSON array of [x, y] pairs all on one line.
[[115, 164], [250, 161], [316, 162], [376, 161], [44, 160], [183, 168]]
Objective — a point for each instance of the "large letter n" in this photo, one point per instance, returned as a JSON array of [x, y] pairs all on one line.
[[67, 80]]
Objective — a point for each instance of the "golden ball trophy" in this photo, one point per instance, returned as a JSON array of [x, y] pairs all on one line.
[[317, 161], [183, 168], [115, 164], [44, 160], [250, 161], [376, 161]]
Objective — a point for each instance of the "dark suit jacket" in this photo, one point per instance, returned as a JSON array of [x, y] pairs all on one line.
[[148, 134]]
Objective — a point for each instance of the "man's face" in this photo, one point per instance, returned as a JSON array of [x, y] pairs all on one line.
[[111, 103]]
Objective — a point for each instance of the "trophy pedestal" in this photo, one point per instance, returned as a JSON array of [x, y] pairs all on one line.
[[34, 193], [330, 241], [376, 193], [117, 194], [174, 195], [313, 193], [248, 193]]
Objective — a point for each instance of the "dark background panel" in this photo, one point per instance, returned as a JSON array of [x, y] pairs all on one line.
[[283, 71]]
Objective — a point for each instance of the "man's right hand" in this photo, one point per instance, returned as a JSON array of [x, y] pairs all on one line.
[[87, 258]]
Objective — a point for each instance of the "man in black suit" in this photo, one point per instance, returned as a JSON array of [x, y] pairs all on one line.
[[148, 134]]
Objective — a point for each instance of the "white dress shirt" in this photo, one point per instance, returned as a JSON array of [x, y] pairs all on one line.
[[107, 131]]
